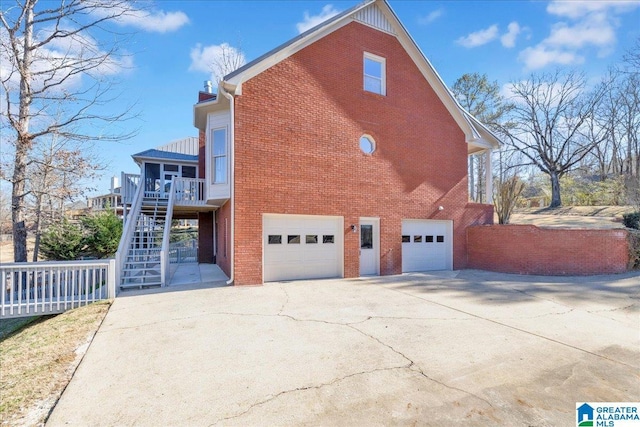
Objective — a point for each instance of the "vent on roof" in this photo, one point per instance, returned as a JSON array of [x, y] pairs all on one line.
[[373, 17]]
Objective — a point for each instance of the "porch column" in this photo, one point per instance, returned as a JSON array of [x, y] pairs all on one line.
[[488, 176]]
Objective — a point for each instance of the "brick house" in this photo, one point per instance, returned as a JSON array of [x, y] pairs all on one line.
[[338, 154]]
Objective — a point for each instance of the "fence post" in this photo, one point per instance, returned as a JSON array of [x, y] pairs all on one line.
[[111, 284]]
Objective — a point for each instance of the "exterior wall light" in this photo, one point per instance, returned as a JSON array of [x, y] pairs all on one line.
[[353, 228]]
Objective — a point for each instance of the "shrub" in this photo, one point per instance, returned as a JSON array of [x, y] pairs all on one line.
[[97, 236], [62, 242], [102, 233], [506, 197], [631, 220]]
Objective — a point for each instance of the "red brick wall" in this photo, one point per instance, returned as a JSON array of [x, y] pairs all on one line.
[[205, 237], [223, 238], [297, 127], [527, 249]]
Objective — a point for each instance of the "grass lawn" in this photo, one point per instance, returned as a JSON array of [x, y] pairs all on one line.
[[38, 357]]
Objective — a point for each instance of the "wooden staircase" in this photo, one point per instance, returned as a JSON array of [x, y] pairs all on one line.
[[143, 265]]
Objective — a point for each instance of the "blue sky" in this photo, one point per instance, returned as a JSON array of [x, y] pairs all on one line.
[[507, 40]]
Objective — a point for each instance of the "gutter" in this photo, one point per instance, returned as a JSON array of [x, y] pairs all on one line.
[[231, 179]]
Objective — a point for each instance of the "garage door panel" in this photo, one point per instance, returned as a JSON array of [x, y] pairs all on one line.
[[305, 251], [426, 245]]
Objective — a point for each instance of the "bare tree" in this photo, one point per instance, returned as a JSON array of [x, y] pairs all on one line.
[[227, 60], [58, 173], [483, 100], [551, 115], [57, 77]]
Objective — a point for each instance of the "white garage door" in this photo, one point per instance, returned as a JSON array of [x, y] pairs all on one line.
[[426, 245], [302, 247]]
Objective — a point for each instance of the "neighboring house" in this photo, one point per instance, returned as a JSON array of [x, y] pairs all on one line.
[[338, 154], [110, 201]]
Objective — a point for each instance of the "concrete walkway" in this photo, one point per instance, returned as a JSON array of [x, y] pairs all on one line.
[[457, 348], [193, 273]]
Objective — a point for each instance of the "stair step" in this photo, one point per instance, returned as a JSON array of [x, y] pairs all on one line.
[[143, 277], [149, 261], [144, 271], [139, 285]]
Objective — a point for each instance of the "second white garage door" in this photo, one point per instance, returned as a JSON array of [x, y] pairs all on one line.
[[426, 245], [302, 247]]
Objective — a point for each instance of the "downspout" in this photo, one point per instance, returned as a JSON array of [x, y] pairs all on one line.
[[232, 248]]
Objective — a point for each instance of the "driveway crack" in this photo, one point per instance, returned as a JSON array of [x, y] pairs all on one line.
[[312, 387], [286, 301], [415, 368], [608, 310]]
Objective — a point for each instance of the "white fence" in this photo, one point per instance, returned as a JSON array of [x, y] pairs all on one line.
[[182, 252], [30, 289]]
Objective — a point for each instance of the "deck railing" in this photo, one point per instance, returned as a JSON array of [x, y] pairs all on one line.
[[130, 184], [189, 191], [127, 232], [164, 253], [37, 288]]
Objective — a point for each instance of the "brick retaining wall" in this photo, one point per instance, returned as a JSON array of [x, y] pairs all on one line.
[[527, 249]]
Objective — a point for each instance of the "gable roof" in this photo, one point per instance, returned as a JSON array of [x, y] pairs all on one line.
[[379, 15]]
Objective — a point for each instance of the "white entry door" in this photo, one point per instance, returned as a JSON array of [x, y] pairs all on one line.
[[369, 247]]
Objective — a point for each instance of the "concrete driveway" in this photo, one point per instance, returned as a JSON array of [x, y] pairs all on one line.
[[455, 348]]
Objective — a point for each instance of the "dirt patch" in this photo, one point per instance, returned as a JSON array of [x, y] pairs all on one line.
[[39, 360], [597, 211], [590, 217], [6, 250]]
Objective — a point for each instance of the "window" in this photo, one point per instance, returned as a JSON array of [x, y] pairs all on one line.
[[293, 239], [327, 238], [275, 239], [428, 239], [367, 144], [366, 236], [171, 168], [417, 239], [311, 239], [440, 239], [219, 156], [188, 171], [406, 239], [374, 74]]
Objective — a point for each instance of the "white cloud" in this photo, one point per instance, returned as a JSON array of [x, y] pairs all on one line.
[[218, 60], [151, 20], [508, 39], [594, 30], [157, 21], [479, 38], [540, 56], [310, 21], [579, 9], [586, 24], [431, 16]]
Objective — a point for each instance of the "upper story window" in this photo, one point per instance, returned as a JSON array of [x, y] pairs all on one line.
[[219, 156], [374, 74]]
